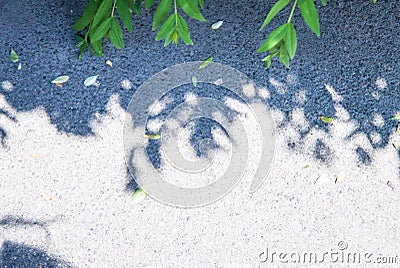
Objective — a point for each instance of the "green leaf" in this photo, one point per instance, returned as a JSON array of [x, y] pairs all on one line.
[[166, 27], [82, 49], [201, 2], [98, 48], [116, 37], [169, 36], [182, 23], [273, 38], [183, 31], [134, 5], [138, 196], [205, 63], [191, 9], [87, 16], [310, 15], [323, 2], [194, 81], [185, 36], [131, 4], [14, 56], [102, 30], [396, 117], [124, 14], [175, 38], [148, 3], [267, 60], [276, 8], [284, 56], [161, 13], [102, 13], [152, 136], [291, 41], [326, 119], [373, 1]]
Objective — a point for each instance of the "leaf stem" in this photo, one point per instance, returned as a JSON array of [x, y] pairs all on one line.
[[291, 12], [176, 13], [113, 9]]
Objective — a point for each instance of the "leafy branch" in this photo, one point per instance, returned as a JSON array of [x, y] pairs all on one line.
[[282, 41], [100, 22]]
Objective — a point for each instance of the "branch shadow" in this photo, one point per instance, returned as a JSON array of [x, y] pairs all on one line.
[[14, 254], [356, 55]]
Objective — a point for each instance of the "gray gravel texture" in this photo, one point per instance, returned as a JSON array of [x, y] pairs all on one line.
[[359, 44]]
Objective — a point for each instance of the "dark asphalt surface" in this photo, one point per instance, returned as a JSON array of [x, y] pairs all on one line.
[[359, 43]]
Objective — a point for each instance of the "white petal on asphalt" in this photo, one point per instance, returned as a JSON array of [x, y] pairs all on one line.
[[61, 79], [217, 25], [90, 80], [109, 63], [19, 66]]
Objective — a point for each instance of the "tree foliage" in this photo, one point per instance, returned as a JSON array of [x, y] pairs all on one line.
[[102, 20]]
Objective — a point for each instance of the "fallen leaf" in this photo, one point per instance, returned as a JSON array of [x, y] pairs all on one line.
[[138, 196], [47, 197], [35, 155], [205, 63], [326, 119], [19, 66], [58, 84], [396, 117], [109, 63], [217, 25], [61, 79], [14, 56], [152, 136], [194, 81], [90, 80], [306, 166]]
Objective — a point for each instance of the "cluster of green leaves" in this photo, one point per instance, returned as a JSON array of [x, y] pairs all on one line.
[[175, 27], [282, 42], [99, 22]]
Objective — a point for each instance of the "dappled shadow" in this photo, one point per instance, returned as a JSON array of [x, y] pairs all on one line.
[[14, 254], [356, 56], [19, 255], [12, 221], [3, 133]]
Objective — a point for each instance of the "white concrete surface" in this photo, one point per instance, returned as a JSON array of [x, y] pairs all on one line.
[[78, 185]]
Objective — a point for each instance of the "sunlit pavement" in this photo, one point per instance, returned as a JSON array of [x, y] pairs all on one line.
[[77, 186], [333, 187]]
